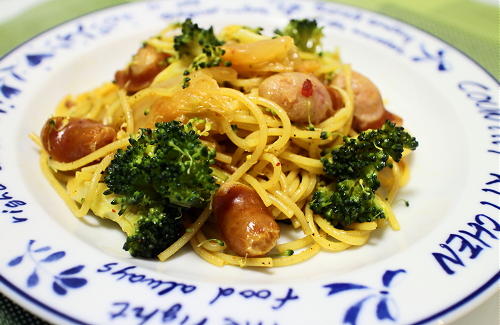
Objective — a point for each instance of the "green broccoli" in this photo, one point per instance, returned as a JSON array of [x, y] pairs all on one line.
[[155, 229], [161, 173], [364, 156], [346, 202], [199, 45], [351, 171], [305, 33]]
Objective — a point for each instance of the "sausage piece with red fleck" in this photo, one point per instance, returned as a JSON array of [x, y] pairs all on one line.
[[301, 95], [247, 226], [68, 139]]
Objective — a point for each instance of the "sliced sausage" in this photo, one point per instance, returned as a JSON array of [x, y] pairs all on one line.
[[146, 64], [68, 139], [336, 97], [369, 110], [246, 224], [302, 95]]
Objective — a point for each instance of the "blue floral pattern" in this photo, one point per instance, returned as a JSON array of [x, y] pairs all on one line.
[[384, 300], [39, 257], [48, 274], [14, 75], [36, 59], [439, 57]]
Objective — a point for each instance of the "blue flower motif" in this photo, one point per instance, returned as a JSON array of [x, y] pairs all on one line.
[[62, 281], [382, 312], [438, 57], [12, 76]]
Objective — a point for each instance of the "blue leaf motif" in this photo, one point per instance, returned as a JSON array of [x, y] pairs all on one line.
[[18, 77], [59, 289], [73, 282], [54, 257], [33, 279], [339, 287], [36, 59], [9, 91], [385, 306], [15, 261], [351, 316], [383, 310], [66, 37], [73, 270], [42, 249], [389, 276]]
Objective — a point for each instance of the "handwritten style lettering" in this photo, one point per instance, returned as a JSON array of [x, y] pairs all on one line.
[[473, 243], [127, 310], [483, 98], [10, 205], [263, 294], [160, 286]]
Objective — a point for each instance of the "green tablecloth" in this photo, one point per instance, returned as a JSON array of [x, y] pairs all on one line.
[[471, 26]]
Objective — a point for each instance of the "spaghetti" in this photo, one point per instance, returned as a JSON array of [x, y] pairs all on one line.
[[255, 140]]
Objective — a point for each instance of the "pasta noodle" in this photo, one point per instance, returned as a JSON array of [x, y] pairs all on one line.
[[279, 159]]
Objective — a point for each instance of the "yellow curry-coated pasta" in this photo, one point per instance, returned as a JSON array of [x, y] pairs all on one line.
[[256, 143]]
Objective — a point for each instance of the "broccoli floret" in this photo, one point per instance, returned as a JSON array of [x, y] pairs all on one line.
[[157, 229], [160, 174], [200, 45], [167, 163], [346, 202], [364, 156], [351, 172], [305, 33]]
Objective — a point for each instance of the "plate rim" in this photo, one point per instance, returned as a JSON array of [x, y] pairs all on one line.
[[428, 33], [473, 299]]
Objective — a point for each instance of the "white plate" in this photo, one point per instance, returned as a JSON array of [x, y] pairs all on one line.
[[442, 263]]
